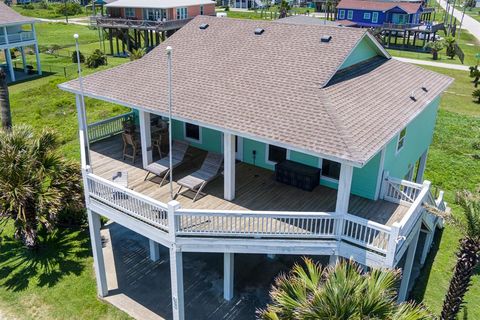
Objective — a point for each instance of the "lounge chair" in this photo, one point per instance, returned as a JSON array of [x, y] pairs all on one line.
[[161, 168], [198, 180]]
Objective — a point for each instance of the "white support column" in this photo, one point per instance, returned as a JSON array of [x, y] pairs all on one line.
[[407, 268], [98, 261], [421, 167], [344, 186], [10, 64], [83, 131], [229, 166], [154, 250], [146, 138], [333, 260], [37, 52], [426, 247], [176, 275], [228, 275], [24, 60]]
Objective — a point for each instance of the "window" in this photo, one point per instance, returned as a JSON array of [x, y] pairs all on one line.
[[331, 169], [276, 154], [375, 17], [201, 10], [366, 16], [398, 18], [182, 13], [401, 139], [192, 132], [350, 14], [130, 12], [341, 14]]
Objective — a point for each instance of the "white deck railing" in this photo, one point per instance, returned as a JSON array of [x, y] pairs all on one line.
[[17, 37], [128, 201], [107, 128], [401, 191], [240, 224]]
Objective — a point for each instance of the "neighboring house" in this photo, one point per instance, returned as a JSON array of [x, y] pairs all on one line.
[[245, 4], [251, 91], [17, 32], [366, 13], [135, 24]]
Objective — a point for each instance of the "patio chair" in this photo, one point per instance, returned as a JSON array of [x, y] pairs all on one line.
[[198, 180], [161, 168], [130, 140]]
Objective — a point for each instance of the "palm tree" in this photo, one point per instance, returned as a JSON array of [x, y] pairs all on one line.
[[283, 9], [5, 101], [136, 54], [476, 95], [338, 292], [468, 255], [450, 46], [36, 183]]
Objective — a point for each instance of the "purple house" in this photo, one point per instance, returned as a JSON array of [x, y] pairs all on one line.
[[366, 13]]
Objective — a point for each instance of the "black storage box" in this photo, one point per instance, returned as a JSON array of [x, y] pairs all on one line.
[[297, 174]]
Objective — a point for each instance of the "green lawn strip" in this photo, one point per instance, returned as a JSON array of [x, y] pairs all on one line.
[[451, 166], [55, 282], [61, 34], [50, 13]]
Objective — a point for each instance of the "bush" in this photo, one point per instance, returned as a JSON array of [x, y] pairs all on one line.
[[74, 57], [476, 95], [97, 59], [29, 6], [69, 9], [227, 8], [44, 5]]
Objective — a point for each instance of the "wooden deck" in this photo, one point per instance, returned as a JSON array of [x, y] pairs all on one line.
[[255, 187]]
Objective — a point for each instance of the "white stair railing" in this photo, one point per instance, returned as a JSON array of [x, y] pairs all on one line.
[[401, 191]]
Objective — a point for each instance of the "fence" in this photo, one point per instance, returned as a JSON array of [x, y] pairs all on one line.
[[107, 128]]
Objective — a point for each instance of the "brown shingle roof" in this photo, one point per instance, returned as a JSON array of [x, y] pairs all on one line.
[[269, 87], [408, 7], [8, 16]]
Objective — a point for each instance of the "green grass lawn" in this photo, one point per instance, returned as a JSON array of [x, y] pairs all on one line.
[[51, 13], [451, 166]]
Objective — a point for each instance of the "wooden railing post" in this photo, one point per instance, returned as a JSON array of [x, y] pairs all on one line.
[[392, 245], [173, 222]]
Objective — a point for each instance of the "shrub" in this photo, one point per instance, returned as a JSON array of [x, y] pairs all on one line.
[[450, 46], [476, 95], [69, 9], [227, 8], [44, 5], [29, 6], [97, 59], [435, 47], [74, 57]]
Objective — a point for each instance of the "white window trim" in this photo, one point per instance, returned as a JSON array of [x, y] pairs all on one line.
[[322, 177], [180, 15], [191, 139], [341, 14], [130, 16], [267, 153], [367, 14], [398, 141], [375, 14], [348, 15]]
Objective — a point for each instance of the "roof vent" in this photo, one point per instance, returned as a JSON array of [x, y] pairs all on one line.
[[326, 38], [259, 31], [203, 26]]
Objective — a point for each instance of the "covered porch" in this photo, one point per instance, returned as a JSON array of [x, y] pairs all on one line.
[[255, 187]]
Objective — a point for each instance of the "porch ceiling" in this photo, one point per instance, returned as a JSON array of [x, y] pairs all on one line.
[[255, 188]]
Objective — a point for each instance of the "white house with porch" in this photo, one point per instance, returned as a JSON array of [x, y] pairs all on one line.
[[17, 31], [324, 141]]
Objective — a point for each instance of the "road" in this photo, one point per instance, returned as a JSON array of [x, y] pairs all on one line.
[[472, 25]]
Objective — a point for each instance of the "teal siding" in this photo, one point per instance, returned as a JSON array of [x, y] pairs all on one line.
[[211, 140], [304, 158], [418, 138], [366, 49], [364, 180], [260, 159]]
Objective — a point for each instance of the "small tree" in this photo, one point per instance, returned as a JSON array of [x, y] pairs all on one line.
[[75, 58], [53, 49], [96, 59], [136, 54], [476, 95], [283, 9], [36, 183], [435, 47], [450, 46], [342, 291], [468, 255], [475, 74]]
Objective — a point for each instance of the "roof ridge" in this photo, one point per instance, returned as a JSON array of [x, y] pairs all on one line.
[[341, 129]]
